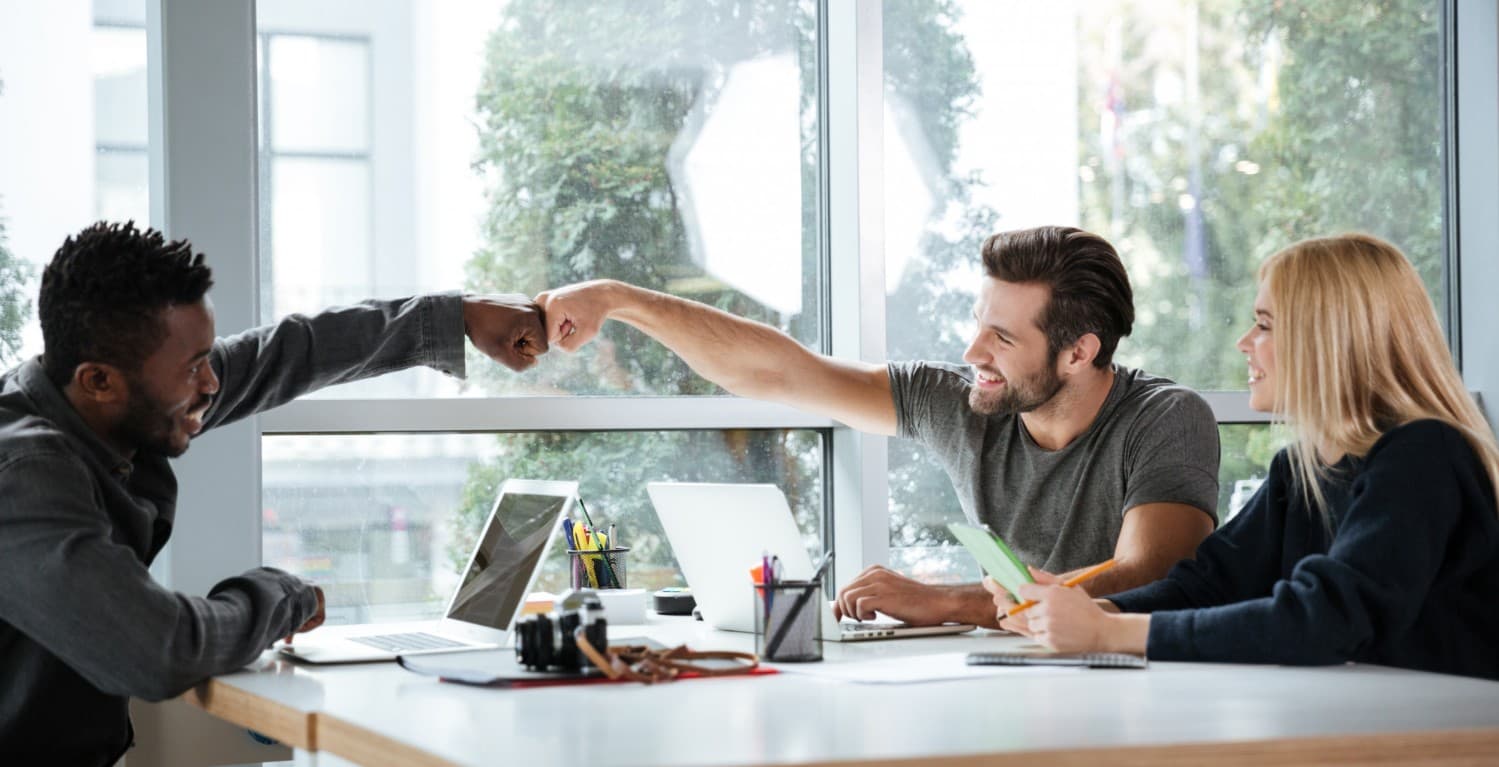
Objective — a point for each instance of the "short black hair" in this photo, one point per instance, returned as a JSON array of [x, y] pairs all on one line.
[[1090, 290], [103, 294]]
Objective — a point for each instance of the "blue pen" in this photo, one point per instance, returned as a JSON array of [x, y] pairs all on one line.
[[612, 546]]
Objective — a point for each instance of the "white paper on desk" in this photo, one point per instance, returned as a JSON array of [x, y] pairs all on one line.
[[911, 669]]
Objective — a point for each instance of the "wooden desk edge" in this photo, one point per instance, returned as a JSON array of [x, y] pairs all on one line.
[[291, 726], [1424, 747], [372, 749]]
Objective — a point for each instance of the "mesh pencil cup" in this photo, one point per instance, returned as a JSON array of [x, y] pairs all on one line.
[[588, 569], [788, 621]]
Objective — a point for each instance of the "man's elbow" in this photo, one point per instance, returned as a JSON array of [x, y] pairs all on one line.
[[155, 678]]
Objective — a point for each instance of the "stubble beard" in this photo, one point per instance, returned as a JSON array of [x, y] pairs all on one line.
[[1023, 396]]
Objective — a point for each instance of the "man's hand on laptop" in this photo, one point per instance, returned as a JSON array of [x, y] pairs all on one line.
[[509, 328], [317, 618], [909, 600]]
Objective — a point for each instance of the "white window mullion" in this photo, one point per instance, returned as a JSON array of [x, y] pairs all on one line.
[[855, 94]]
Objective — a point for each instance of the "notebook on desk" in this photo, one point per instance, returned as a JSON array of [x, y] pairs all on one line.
[[1040, 656], [481, 611], [718, 530]]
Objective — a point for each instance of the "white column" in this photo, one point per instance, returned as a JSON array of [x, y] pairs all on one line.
[[203, 184], [201, 74]]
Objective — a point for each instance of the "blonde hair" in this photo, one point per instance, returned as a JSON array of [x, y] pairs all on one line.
[[1359, 351]]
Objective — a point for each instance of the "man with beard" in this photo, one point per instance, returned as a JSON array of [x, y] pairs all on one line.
[[130, 373], [1070, 458]]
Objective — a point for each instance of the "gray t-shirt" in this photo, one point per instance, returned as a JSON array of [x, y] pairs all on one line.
[[1152, 442]]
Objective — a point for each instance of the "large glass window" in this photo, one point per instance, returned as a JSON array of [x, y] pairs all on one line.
[[315, 172], [384, 522], [73, 140], [1197, 137], [514, 147], [517, 146]]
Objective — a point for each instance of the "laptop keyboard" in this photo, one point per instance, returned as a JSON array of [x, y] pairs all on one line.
[[399, 643]]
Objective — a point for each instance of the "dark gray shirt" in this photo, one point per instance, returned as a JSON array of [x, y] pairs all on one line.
[[1152, 442], [83, 627]]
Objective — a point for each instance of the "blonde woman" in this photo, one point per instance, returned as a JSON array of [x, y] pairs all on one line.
[[1375, 537]]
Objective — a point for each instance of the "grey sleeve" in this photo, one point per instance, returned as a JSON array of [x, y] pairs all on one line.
[[272, 365], [931, 402], [1171, 454], [91, 602]]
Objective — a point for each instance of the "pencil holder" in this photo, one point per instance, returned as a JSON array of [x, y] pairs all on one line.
[[598, 568], [788, 621]]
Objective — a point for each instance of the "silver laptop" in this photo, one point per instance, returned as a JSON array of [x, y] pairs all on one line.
[[718, 532], [501, 571]]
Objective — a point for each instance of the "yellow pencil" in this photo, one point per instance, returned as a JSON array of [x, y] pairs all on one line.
[[1069, 583]]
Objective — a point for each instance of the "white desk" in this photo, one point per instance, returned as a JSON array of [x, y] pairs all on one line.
[[380, 714]]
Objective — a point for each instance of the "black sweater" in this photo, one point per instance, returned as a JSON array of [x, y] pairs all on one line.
[[1408, 575]]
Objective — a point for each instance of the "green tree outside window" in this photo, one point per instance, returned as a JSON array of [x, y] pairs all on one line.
[[15, 307]]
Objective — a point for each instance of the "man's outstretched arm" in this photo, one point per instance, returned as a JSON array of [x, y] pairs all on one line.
[[747, 358], [269, 366]]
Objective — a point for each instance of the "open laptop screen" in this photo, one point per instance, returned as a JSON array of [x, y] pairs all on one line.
[[506, 558]]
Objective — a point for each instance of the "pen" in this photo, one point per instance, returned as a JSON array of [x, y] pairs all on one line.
[[610, 544], [608, 568], [767, 582], [822, 568], [1069, 583]]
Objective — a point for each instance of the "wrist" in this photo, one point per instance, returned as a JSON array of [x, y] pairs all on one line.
[[970, 603], [620, 299], [1126, 632]]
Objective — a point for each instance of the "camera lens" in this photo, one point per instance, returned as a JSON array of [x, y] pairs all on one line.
[[547, 641]]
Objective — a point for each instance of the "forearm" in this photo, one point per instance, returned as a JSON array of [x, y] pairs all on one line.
[[268, 366], [228, 629], [1125, 575], [970, 603], [1125, 633], [747, 358]]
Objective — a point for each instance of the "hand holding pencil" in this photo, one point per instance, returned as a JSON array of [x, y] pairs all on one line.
[[1075, 580], [1062, 616]]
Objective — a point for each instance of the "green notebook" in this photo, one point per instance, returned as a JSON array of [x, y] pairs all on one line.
[[994, 556]]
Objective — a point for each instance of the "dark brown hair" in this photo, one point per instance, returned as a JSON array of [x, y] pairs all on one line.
[[1090, 290]]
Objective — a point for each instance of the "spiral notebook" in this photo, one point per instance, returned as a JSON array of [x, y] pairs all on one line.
[[1048, 658]]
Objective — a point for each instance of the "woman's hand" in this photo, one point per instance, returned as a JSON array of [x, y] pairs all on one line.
[[1068, 620], [1003, 603]]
